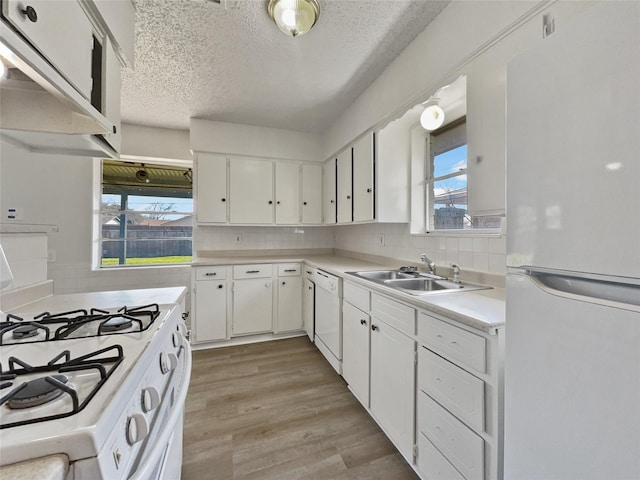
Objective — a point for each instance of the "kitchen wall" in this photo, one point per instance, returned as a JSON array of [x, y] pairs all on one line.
[[263, 238]]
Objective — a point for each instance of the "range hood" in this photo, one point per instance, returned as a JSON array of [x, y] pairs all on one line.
[[39, 109]]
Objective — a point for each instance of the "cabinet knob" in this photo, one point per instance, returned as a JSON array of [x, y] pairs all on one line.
[[368, 190], [363, 321], [348, 197], [284, 283], [304, 203], [278, 202], [219, 286], [32, 15], [115, 129], [224, 199], [333, 201], [373, 327], [270, 202]]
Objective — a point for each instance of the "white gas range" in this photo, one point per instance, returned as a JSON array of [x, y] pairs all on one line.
[[103, 383]]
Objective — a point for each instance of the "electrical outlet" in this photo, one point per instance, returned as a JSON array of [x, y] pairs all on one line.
[[381, 240], [14, 213], [238, 238]]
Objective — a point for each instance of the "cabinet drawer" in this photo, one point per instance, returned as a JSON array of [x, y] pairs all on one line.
[[456, 343], [252, 271], [289, 269], [357, 296], [457, 442], [432, 464], [459, 391], [211, 273], [394, 313]]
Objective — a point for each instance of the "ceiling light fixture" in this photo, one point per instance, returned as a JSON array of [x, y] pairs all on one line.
[[294, 17], [433, 115], [142, 175]]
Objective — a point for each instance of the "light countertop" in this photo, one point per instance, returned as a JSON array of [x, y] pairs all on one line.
[[480, 309], [52, 467]]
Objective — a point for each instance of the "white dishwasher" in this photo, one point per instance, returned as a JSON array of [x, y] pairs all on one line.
[[329, 318]]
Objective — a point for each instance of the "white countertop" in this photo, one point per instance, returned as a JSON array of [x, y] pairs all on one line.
[[52, 467], [480, 309], [116, 298]]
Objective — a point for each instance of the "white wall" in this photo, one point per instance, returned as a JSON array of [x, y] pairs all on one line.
[[141, 141], [234, 139]]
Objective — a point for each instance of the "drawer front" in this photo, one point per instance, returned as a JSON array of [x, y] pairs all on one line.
[[394, 313], [309, 272], [357, 296], [289, 269], [211, 273], [252, 271], [456, 389], [432, 464], [457, 442], [456, 343]]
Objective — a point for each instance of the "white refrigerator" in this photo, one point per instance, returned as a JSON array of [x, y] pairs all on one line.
[[572, 351]]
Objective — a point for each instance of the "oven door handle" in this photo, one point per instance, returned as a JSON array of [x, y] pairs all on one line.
[[144, 470]]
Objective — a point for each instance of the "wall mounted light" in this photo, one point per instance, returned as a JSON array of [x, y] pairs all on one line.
[[294, 17], [142, 175], [433, 115]]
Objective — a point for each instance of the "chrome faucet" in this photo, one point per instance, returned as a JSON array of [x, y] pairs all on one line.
[[456, 272], [431, 265]]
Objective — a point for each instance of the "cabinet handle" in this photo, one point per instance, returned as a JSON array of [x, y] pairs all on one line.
[[310, 288], [284, 283], [219, 286], [270, 202], [267, 284], [308, 272], [304, 203], [290, 270], [278, 202], [115, 129], [32, 15], [348, 197], [210, 274], [368, 190], [223, 199], [373, 327], [363, 322], [333, 201], [253, 271]]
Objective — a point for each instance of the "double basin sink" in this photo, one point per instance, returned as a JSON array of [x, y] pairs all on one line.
[[416, 283]]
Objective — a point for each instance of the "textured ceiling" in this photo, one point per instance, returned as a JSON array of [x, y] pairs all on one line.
[[229, 62]]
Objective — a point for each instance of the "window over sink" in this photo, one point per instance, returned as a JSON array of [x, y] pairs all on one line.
[[145, 214]]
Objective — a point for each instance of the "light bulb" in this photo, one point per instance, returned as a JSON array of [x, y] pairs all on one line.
[[3, 69], [432, 117]]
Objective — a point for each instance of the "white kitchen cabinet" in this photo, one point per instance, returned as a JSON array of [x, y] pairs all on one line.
[[308, 307], [112, 85], [209, 304], [250, 191], [329, 192], [393, 384], [363, 186], [211, 188], [344, 186], [252, 306], [69, 48], [287, 193], [311, 194], [289, 299], [355, 351]]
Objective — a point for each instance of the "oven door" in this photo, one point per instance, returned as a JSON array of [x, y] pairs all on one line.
[[161, 456]]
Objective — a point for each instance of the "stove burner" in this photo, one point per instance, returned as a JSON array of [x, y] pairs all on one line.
[[25, 331], [37, 392], [115, 324]]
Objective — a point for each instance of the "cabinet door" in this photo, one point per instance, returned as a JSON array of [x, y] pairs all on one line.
[[210, 316], [251, 191], [111, 93], [287, 193], [363, 161], [289, 304], [308, 307], [252, 306], [345, 186], [62, 34], [311, 194], [211, 188], [329, 192], [393, 384], [355, 351]]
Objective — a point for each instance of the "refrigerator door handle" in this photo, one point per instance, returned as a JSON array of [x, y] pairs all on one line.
[[624, 295]]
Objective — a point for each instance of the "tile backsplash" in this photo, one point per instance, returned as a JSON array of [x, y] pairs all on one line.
[[262, 238]]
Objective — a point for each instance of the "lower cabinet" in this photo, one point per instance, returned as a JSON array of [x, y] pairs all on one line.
[[252, 306], [393, 384], [356, 350], [308, 307], [209, 305], [289, 301]]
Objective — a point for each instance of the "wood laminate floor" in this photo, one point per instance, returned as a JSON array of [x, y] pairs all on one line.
[[277, 410]]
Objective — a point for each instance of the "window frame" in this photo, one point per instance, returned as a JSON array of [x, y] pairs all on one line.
[[98, 213]]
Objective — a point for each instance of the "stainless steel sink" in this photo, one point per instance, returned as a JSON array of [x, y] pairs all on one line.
[[416, 283]]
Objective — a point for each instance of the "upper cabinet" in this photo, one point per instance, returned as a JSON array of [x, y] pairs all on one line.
[[363, 168], [62, 91], [250, 191], [311, 194], [329, 192], [344, 186], [287, 193], [211, 188]]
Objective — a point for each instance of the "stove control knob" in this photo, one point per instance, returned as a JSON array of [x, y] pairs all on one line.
[[137, 428], [177, 339], [168, 361], [182, 328], [150, 399]]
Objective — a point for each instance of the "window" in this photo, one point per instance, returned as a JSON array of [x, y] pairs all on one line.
[[446, 182], [145, 214]]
